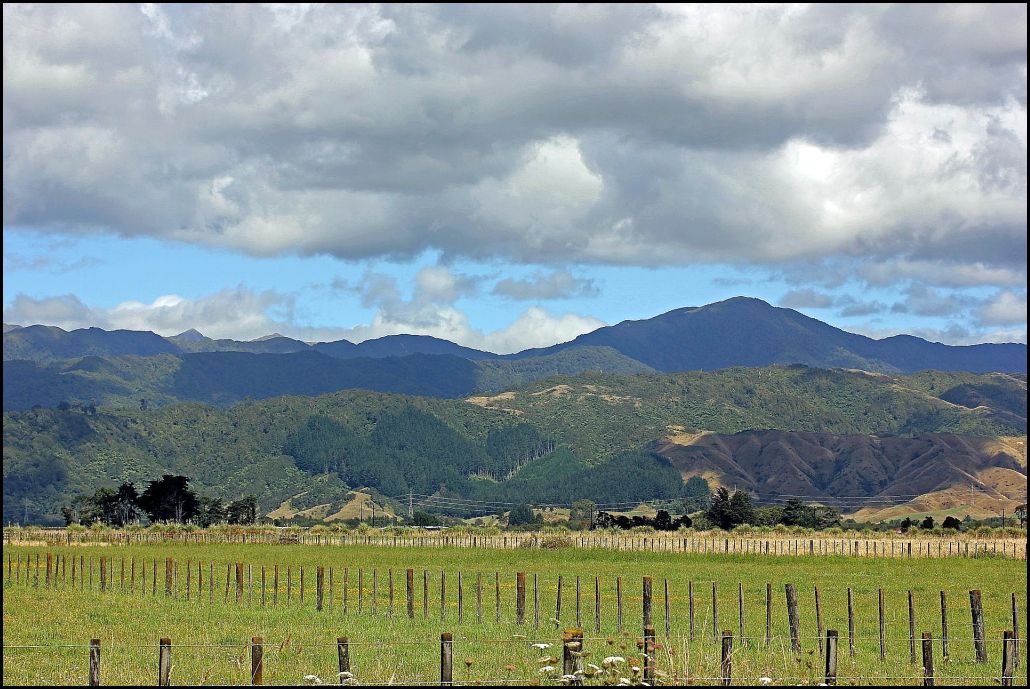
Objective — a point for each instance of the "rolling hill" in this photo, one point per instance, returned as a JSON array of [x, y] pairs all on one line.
[[737, 332], [605, 437], [226, 378], [750, 332]]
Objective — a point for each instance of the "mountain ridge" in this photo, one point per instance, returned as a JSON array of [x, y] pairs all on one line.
[[740, 331]]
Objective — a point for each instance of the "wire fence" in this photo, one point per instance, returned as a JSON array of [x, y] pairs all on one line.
[[894, 546]]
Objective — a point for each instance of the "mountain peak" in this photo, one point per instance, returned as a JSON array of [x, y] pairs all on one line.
[[191, 335], [273, 336]]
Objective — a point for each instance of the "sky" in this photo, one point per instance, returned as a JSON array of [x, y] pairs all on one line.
[[512, 176]]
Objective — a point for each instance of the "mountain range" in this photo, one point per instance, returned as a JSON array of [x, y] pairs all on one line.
[[44, 364], [740, 392]]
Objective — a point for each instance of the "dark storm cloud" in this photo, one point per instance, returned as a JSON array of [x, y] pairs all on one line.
[[631, 135]]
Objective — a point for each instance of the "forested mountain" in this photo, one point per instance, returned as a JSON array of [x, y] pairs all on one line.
[[737, 332], [750, 332], [225, 378], [598, 415], [604, 437]]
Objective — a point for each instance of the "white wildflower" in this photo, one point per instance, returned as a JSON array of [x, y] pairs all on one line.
[[312, 679], [765, 680], [541, 646], [546, 668], [612, 660]]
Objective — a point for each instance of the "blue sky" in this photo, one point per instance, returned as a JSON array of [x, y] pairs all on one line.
[[512, 177]]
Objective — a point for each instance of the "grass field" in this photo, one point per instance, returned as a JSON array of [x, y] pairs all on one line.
[[46, 631]]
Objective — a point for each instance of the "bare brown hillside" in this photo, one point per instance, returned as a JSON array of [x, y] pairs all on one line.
[[873, 477]]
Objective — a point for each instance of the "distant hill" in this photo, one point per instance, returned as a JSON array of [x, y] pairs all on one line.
[[193, 341], [228, 377], [43, 343], [750, 332], [737, 332], [403, 345], [599, 415], [306, 454], [859, 472]]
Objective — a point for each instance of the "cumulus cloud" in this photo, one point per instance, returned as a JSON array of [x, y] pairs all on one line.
[[244, 314], [556, 284], [846, 305], [430, 310], [238, 313], [921, 300], [1005, 308], [623, 135], [807, 298]]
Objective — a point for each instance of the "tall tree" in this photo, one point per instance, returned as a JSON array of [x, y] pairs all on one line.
[[242, 511], [169, 499]]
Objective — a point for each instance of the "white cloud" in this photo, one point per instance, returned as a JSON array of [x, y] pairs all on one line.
[[538, 327], [625, 135], [1005, 308], [556, 284]]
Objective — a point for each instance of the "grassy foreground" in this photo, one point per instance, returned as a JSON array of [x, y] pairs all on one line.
[[46, 631]]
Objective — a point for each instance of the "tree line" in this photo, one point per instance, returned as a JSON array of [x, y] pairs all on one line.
[[167, 499]]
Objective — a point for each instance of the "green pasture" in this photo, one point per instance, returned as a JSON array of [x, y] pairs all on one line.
[[46, 631]]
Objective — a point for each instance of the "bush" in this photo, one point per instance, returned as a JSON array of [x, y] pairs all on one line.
[[556, 542]]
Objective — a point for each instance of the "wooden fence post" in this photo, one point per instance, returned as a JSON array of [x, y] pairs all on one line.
[[818, 620], [649, 653], [618, 603], [648, 621], [257, 661], [944, 626], [831, 657], [851, 624], [497, 596], [409, 585], [520, 598], [597, 604], [1008, 658], [768, 614], [715, 611], [883, 626], [94, 661], [239, 583], [164, 663], [977, 612], [579, 617], [446, 659], [927, 660], [343, 658], [425, 594], [572, 659], [557, 604], [727, 658], [792, 618], [319, 587], [103, 573]]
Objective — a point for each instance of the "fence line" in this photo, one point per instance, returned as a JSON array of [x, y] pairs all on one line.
[[655, 666], [673, 542], [108, 577]]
